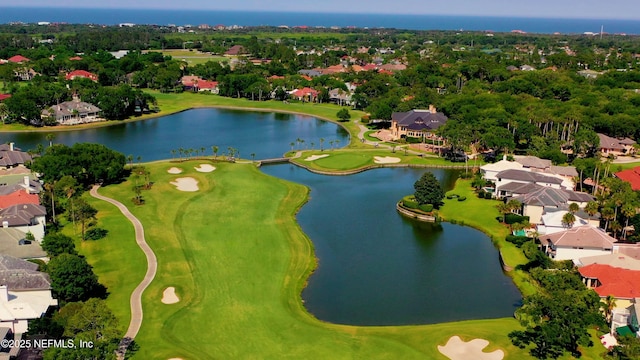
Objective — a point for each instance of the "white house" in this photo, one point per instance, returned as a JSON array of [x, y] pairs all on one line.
[[577, 242], [552, 222], [506, 177], [25, 293], [489, 171], [542, 200]]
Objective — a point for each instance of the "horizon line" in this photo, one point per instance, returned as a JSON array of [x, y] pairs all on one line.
[[320, 12]]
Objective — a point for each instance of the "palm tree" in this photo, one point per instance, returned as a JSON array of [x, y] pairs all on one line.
[[514, 205], [173, 153], [215, 151], [253, 157], [130, 160], [574, 208], [609, 304], [181, 151], [312, 145], [628, 211], [292, 144], [50, 138], [607, 214], [202, 149], [337, 142], [568, 220], [50, 187], [321, 144], [615, 227], [331, 143], [298, 141], [591, 208], [504, 209]]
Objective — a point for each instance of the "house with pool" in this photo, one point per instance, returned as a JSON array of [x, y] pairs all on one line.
[[421, 124]]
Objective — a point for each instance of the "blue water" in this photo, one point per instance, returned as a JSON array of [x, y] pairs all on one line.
[[244, 18]]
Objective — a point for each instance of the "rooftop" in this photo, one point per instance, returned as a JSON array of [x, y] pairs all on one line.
[[620, 283], [586, 236]]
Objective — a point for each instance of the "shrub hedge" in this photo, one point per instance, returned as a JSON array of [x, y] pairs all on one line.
[[426, 207], [410, 202], [515, 218], [517, 240], [462, 198]]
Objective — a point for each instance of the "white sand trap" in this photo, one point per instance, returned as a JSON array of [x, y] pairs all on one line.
[[205, 168], [174, 170], [456, 349], [386, 160], [175, 359], [315, 157], [169, 296], [186, 184]]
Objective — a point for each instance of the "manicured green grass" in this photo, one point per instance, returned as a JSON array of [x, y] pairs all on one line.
[[116, 258], [239, 261], [354, 159], [625, 166]]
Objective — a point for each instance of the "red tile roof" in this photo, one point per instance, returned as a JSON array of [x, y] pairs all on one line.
[[75, 58], [620, 283], [205, 84], [4, 96], [81, 74], [305, 92], [18, 197], [632, 176], [18, 59]]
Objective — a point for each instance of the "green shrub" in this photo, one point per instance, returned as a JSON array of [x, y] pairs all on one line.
[[462, 198], [466, 175], [426, 207], [517, 240], [410, 202], [515, 218], [488, 195], [451, 196], [481, 194]]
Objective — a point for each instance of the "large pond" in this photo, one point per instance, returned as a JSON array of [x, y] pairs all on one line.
[[267, 135], [375, 267], [379, 268]]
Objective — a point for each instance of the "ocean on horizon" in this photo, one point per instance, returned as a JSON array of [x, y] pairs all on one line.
[[249, 18]]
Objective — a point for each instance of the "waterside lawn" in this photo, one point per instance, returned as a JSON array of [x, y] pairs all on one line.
[[240, 285], [344, 160]]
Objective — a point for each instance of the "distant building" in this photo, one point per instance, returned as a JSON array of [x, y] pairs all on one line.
[[235, 50], [615, 147], [81, 74], [73, 112], [18, 59]]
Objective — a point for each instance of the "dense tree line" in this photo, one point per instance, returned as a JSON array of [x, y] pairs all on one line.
[[87, 163]]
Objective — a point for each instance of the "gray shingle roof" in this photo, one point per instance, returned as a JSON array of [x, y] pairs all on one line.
[[419, 119], [13, 263], [528, 176], [533, 162], [23, 214], [544, 196]]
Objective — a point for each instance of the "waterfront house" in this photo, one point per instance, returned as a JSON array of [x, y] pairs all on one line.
[[540, 200], [577, 242], [73, 112], [14, 242], [25, 293], [11, 157], [489, 171], [417, 123], [552, 222], [26, 218], [509, 176]]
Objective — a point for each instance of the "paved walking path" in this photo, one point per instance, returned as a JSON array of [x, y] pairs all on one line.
[[152, 266]]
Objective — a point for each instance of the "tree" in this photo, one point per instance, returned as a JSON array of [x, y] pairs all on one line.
[[428, 190], [55, 244], [609, 304], [556, 320], [83, 212], [574, 208], [343, 115], [591, 208], [215, 150], [607, 214], [93, 320], [504, 209], [72, 279], [568, 220]]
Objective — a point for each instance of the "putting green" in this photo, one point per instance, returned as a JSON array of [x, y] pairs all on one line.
[[239, 261]]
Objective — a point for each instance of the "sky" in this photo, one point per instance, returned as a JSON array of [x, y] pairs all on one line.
[[596, 9]]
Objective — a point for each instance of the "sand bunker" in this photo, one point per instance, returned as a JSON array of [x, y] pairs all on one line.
[[174, 170], [386, 160], [316, 157], [205, 168], [186, 184], [456, 349], [175, 359], [169, 296]]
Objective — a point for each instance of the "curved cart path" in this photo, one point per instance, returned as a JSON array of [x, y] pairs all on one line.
[[152, 266]]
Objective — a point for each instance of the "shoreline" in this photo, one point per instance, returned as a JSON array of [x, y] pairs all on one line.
[[101, 124]]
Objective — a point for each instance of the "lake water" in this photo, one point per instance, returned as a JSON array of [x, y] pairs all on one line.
[[267, 135], [379, 268], [375, 267]]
